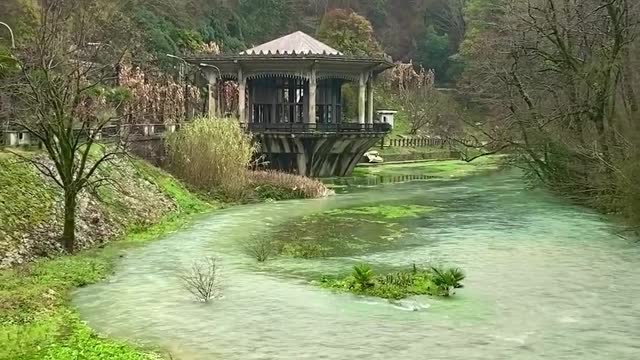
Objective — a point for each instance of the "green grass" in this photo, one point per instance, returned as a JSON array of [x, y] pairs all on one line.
[[24, 200], [436, 169], [401, 125], [37, 320], [187, 201]]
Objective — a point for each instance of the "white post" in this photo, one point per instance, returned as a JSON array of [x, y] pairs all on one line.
[[212, 85], [242, 85], [313, 84], [362, 99], [370, 101]]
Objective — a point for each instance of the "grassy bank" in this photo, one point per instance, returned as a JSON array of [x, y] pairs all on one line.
[[436, 169], [138, 204], [36, 317], [390, 153]]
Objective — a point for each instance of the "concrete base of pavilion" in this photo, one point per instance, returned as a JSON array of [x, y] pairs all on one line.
[[316, 155]]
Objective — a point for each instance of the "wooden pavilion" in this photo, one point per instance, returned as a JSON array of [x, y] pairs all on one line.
[[290, 98]]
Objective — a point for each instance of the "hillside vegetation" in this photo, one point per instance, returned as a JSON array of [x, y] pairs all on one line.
[[407, 29], [132, 195]]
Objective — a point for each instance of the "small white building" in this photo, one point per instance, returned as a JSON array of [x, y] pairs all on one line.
[[387, 116]]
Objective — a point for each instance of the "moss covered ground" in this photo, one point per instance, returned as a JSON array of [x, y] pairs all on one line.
[[36, 317], [345, 232], [434, 169]]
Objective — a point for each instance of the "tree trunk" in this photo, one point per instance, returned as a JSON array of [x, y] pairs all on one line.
[[69, 232]]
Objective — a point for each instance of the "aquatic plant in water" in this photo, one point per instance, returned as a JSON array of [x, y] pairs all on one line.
[[260, 248], [447, 280], [340, 232], [398, 285], [363, 275], [383, 211]]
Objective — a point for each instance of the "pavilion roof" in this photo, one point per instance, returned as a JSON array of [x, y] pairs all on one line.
[[297, 43]]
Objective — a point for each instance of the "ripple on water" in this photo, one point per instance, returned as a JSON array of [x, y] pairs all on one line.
[[546, 280]]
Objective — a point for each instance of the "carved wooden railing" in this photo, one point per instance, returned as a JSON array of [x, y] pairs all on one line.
[[304, 128]]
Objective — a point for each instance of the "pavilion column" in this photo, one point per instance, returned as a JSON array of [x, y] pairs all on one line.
[[370, 101], [242, 93], [313, 84], [362, 98], [212, 87]]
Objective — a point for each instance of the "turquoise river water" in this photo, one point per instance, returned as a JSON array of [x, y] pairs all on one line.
[[545, 280]]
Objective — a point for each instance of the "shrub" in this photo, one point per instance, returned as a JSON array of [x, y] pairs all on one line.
[[282, 186], [201, 279], [363, 275], [398, 285], [211, 154], [447, 280], [260, 248]]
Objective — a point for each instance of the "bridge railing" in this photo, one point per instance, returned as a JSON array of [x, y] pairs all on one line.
[[12, 135], [379, 128], [15, 135], [417, 142]]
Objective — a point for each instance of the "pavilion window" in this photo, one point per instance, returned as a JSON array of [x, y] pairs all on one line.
[[261, 113], [290, 100]]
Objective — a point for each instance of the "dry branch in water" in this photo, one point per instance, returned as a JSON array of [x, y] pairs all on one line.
[[201, 279]]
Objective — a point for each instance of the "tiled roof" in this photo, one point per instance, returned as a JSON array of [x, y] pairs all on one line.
[[295, 43]]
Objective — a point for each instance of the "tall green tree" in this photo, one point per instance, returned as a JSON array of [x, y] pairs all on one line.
[[349, 32], [262, 20]]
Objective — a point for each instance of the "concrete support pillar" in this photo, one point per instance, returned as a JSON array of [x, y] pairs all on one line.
[[242, 93], [362, 98], [313, 84], [301, 160], [370, 101], [212, 90]]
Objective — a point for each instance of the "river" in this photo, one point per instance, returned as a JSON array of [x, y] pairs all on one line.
[[545, 280]]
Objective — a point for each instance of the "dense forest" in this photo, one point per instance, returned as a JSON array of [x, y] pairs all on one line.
[[428, 32]]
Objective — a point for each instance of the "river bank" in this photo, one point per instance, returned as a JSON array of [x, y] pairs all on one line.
[[37, 320], [139, 204]]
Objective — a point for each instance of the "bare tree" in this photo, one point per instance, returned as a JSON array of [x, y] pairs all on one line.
[[201, 279], [412, 90], [63, 94], [559, 79]]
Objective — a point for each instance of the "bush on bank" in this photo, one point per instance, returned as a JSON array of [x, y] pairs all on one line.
[[277, 185], [214, 156], [211, 155]]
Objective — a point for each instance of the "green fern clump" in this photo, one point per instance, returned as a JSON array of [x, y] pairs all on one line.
[[447, 280], [434, 281], [363, 275]]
